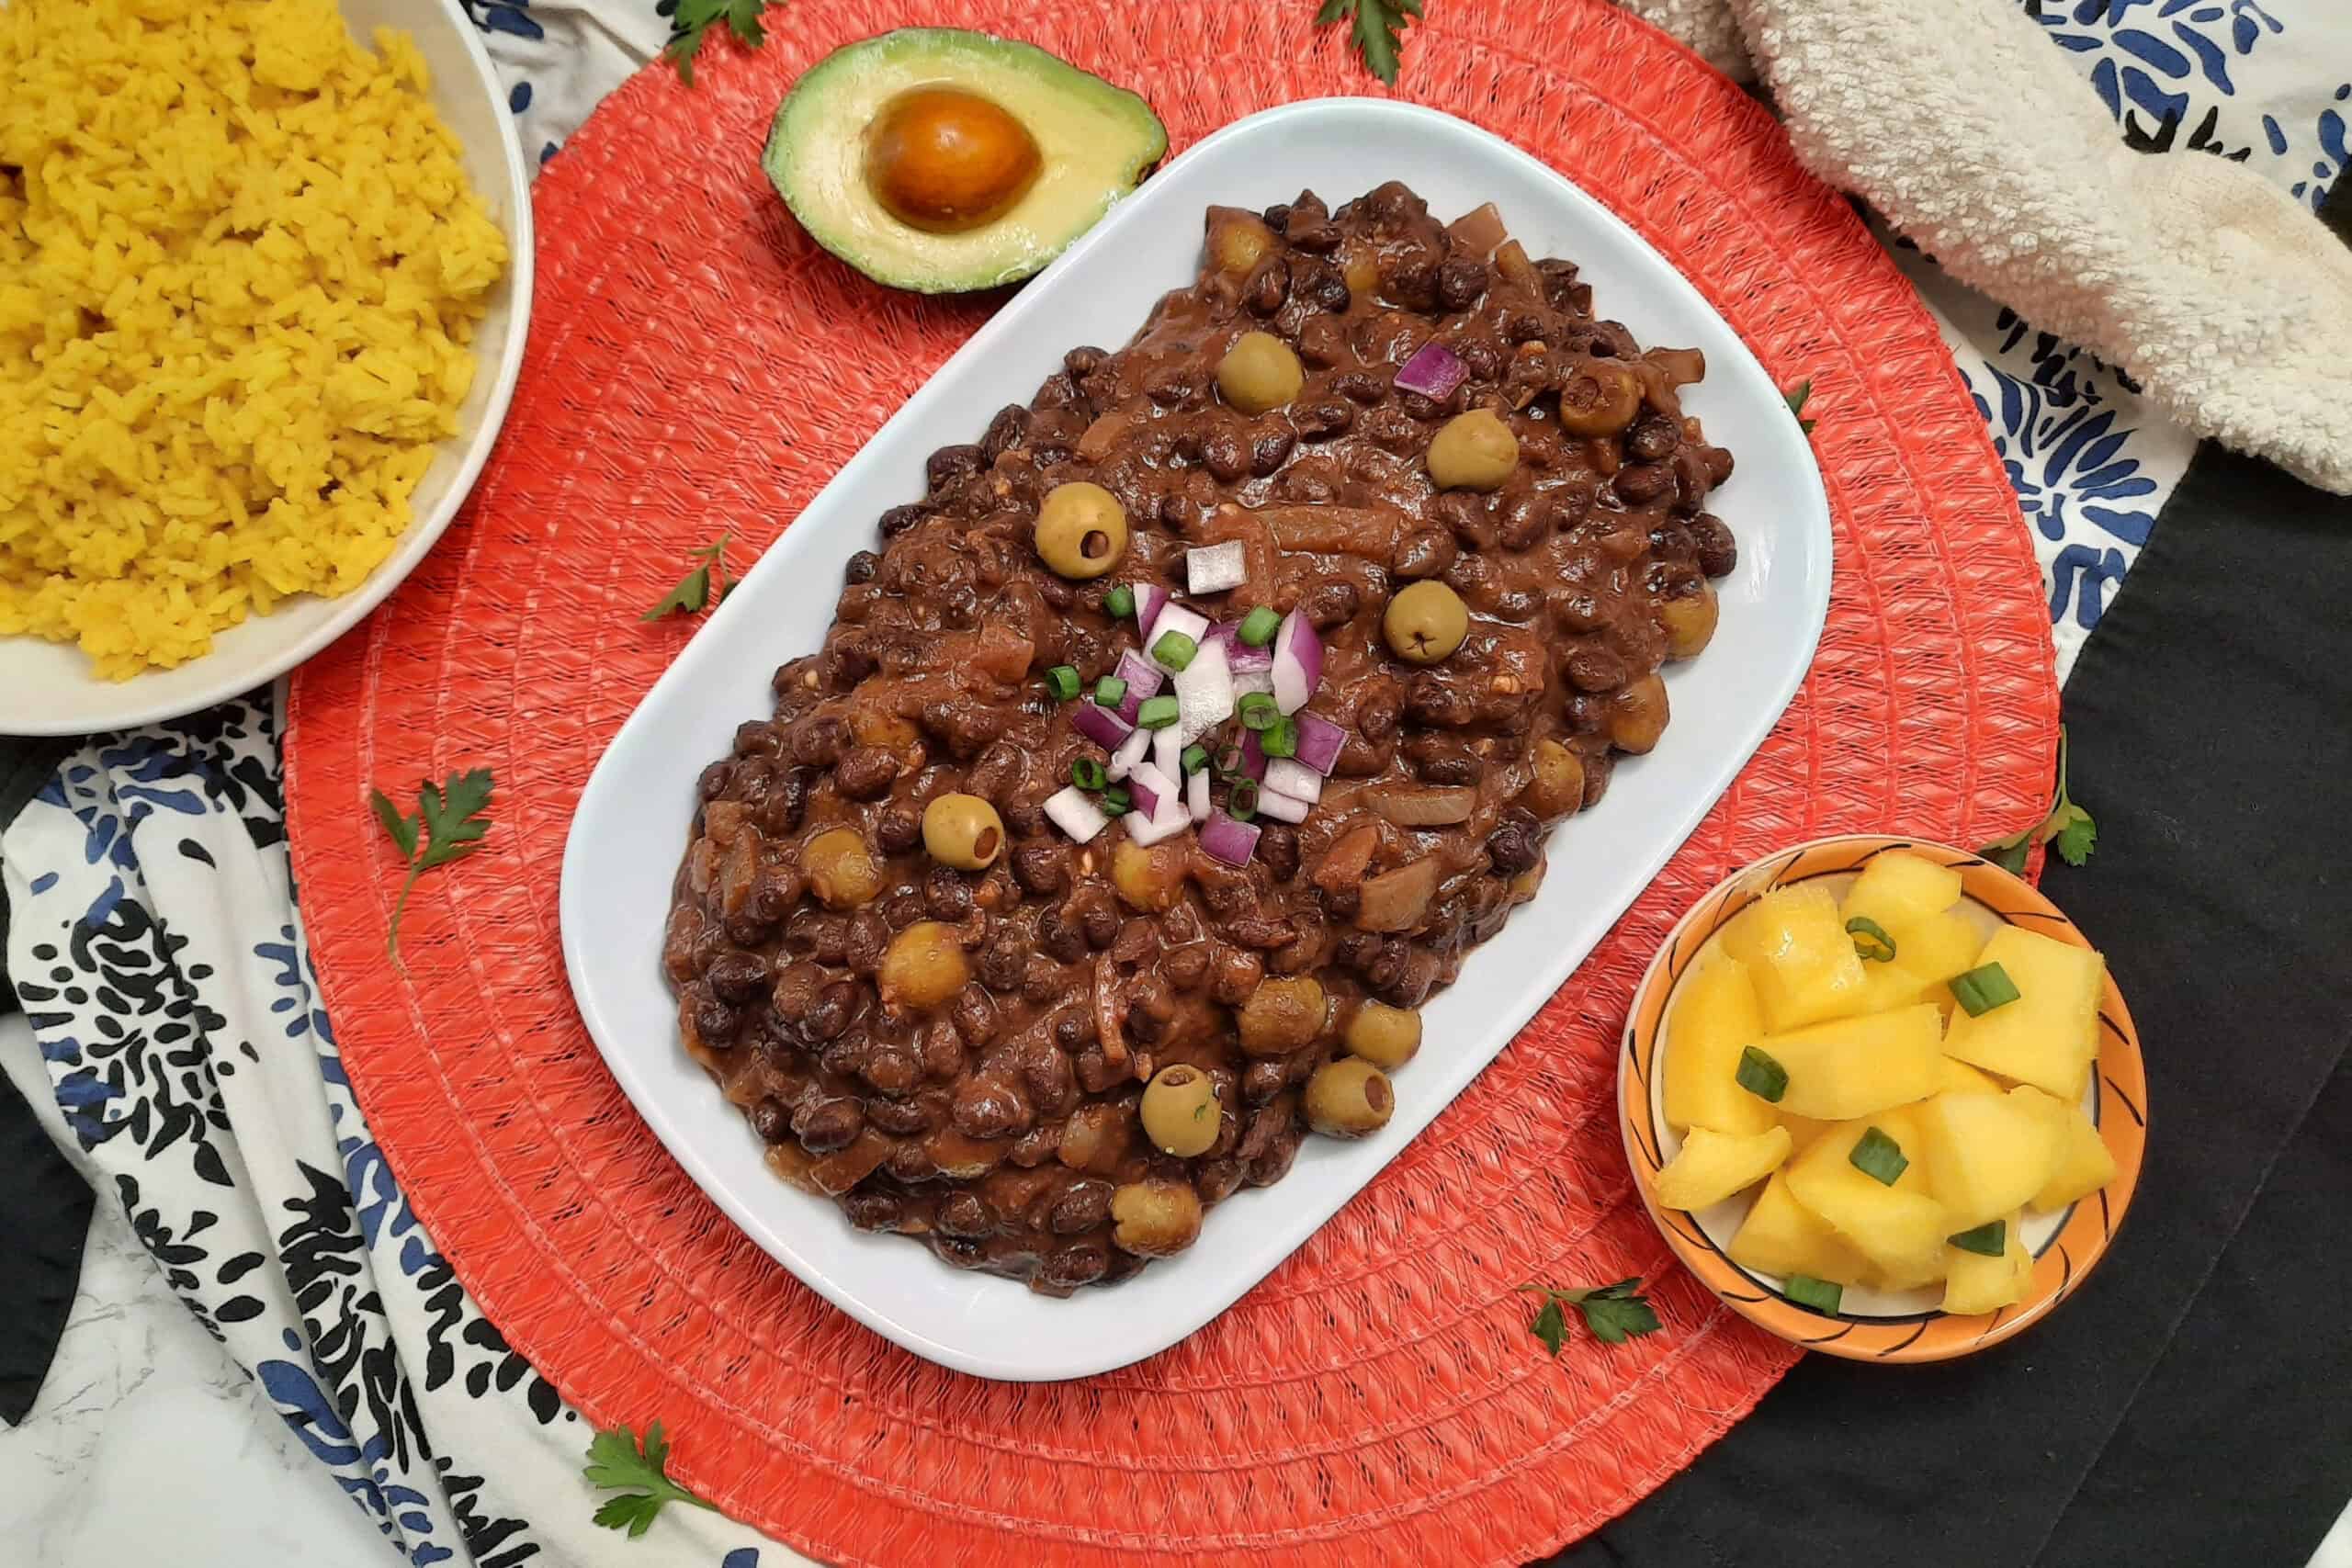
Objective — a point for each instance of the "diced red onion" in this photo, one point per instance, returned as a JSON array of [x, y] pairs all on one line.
[[1143, 678], [1176, 618], [1230, 842], [1285, 776], [1147, 787], [1148, 830], [1168, 752], [1318, 742], [1196, 795], [1246, 681], [1246, 659], [1434, 372], [1253, 757], [1129, 753], [1150, 599], [1212, 568], [1075, 813], [1204, 694], [1100, 725], [1283, 807], [1299, 662]]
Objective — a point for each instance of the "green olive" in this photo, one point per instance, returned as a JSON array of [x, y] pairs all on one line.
[[963, 830], [1601, 400], [1425, 622], [1475, 451], [1258, 372], [1349, 1098], [1153, 1219], [1557, 787], [1689, 623], [1081, 530], [1386, 1036], [840, 869], [1282, 1015], [1181, 1114], [923, 966]]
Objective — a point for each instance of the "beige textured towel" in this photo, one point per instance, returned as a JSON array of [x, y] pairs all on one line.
[[2230, 304]]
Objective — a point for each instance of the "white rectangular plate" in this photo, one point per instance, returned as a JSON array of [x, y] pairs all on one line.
[[631, 830]]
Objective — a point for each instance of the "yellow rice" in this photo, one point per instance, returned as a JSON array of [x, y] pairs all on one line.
[[240, 271]]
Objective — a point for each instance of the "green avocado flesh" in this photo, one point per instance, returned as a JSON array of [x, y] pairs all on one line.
[[1094, 141]]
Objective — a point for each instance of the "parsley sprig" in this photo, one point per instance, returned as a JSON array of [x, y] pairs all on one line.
[[693, 20], [617, 1462], [2068, 828], [448, 825], [1613, 1314], [706, 584], [1798, 395], [1375, 24]]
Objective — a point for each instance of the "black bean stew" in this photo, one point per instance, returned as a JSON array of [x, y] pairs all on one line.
[[1046, 1057]]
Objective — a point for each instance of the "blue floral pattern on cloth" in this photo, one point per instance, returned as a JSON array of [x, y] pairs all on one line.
[[163, 967]]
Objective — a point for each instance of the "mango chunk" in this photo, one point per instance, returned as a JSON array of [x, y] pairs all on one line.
[[1938, 947], [1898, 888], [1900, 1230], [1714, 1019], [1782, 1237], [1798, 954], [2049, 1035], [1899, 1123], [1852, 1066], [1986, 1156], [2084, 1164], [1711, 1166], [1802, 1130], [1958, 1077], [1975, 1284]]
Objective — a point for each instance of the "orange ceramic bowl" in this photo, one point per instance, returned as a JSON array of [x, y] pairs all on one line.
[[1878, 1326]]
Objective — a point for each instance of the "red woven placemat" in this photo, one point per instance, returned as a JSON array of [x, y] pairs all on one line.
[[697, 364]]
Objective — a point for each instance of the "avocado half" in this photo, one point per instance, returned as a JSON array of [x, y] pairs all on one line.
[[1095, 142]]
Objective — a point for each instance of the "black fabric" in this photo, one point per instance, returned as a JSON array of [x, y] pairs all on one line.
[[2187, 1405], [44, 1204]]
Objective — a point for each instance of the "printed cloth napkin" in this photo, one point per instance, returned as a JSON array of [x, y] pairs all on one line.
[[157, 946]]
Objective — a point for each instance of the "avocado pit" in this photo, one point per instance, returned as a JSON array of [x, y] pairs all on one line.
[[944, 159]]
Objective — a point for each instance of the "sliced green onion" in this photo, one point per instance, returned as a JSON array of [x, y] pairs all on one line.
[[1258, 628], [1110, 691], [1258, 710], [1119, 601], [1762, 1076], [1982, 990], [1062, 680], [1227, 762], [1241, 800], [1087, 774], [1818, 1295], [1990, 1240], [1879, 1157], [1871, 940], [1157, 713], [1195, 757], [1175, 650], [1114, 801], [1281, 738]]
